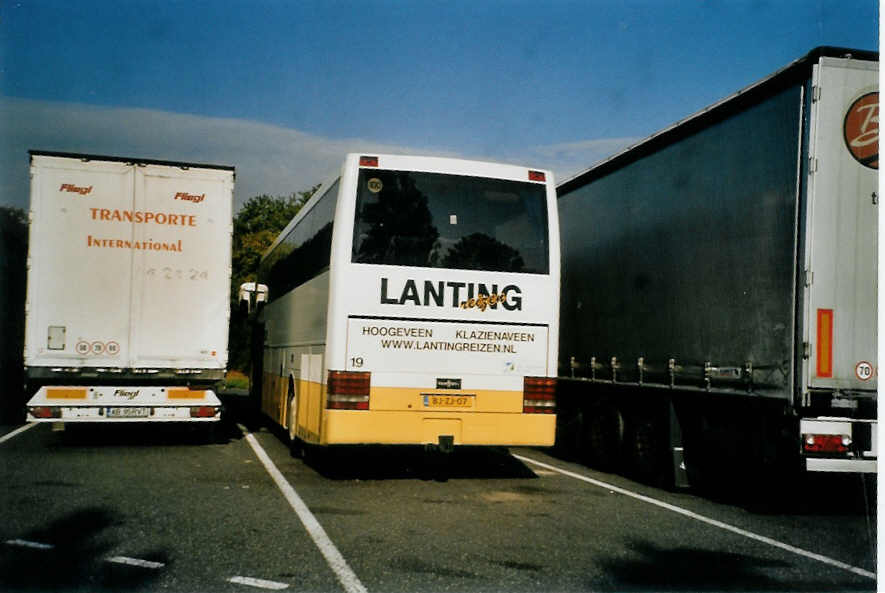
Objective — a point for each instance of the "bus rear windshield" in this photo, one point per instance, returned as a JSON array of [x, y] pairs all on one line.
[[407, 218]]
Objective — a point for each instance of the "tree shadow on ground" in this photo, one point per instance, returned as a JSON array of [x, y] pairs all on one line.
[[70, 554], [651, 568]]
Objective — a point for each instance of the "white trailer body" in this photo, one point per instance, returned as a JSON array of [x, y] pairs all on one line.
[[128, 288], [840, 256]]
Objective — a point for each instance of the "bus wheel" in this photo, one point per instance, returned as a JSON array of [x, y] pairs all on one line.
[[296, 446]]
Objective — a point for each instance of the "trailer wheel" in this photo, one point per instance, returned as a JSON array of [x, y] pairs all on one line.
[[647, 450], [211, 433], [570, 435], [604, 437]]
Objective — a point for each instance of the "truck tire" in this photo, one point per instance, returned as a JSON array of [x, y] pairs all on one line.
[[604, 437], [648, 456], [211, 433], [570, 435]]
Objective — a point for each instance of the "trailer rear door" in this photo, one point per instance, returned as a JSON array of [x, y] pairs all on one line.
[[180, 302], [841, 241], [79, 282]]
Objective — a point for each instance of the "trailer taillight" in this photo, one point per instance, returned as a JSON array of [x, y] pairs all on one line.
[[826, 443], [348, 390], [537, 176], [204, 412], [368, 161], [45, 412], [539, 395]]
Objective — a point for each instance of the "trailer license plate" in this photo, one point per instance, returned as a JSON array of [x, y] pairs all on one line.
[[129, 412], [448, 401]]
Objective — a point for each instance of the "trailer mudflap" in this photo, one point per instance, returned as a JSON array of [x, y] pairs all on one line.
[[78, 403]]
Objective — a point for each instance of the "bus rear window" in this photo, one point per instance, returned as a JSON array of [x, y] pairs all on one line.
[[435, 220]]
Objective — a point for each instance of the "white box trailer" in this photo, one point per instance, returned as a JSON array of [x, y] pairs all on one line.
[[719, 279], [128, 290]]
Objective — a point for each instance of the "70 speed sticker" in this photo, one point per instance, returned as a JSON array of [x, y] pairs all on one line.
[[864, 371]]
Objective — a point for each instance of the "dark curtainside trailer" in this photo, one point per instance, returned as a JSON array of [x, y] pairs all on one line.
[[716, 282]]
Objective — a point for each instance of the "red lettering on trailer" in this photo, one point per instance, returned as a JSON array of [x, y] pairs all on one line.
[[75, 189], [144, 217], [195, 198]]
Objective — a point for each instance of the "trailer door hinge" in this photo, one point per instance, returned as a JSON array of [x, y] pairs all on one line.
[[815, 93], [808, 278], [806, 350], [812, 164]]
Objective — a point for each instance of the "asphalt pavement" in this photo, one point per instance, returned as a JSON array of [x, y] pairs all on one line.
[[148, 508]]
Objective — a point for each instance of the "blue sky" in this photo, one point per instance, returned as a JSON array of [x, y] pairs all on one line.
[[282, 90]]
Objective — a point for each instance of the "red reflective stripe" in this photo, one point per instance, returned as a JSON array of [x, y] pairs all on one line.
[[824, 342]]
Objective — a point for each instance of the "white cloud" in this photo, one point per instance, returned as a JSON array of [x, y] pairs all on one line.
[[268, 159]]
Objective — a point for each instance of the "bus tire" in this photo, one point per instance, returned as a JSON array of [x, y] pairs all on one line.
[[296, 446]]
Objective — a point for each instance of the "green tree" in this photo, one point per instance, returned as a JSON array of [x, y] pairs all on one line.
[[256, 225]]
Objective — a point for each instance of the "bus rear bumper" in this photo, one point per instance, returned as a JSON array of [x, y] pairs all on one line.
[[416, 428]]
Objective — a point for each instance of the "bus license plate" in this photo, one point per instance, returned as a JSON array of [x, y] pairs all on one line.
[[129, 412], [448, 401]]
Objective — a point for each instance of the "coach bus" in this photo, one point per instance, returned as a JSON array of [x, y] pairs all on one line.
[[413, 300]]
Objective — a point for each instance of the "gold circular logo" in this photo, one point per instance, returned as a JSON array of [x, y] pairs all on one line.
[[861, 130]]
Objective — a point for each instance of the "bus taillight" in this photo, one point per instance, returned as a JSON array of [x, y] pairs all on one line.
[[539, 395], [348, 390]]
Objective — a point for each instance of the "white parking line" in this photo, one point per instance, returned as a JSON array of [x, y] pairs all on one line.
[[703, 519], [260, 583], [23, 543], [136, 562], [17, 432], [339, 566]]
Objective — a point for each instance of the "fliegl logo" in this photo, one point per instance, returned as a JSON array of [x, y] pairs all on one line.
[[75, 189], [186, 197], [861, 130], [129, 394], [464, 295]]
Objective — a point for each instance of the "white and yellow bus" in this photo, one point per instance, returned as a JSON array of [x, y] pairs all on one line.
[[413, 300]]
